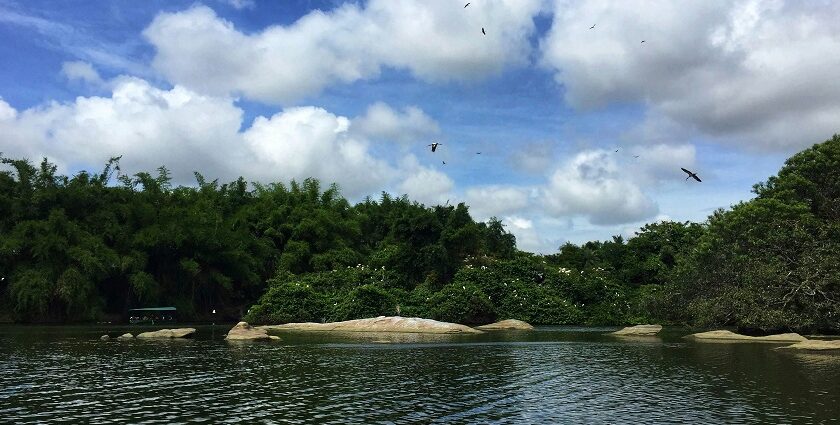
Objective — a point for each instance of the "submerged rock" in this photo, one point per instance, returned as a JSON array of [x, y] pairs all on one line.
[[168, 333], [245, 332], [732, 336], [814, 345], [126, 336], [509, 324], [380, 324], [639, 330]]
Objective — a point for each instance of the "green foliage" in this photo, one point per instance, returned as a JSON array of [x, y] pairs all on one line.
[[366, 301], [289, 301], [462, 304]]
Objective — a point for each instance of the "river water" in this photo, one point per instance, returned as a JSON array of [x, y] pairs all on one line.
[[552, 375]]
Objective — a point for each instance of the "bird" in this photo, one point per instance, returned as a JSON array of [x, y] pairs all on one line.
[[434, 145], [617, 150], [642, 42], [447, 203], [465, 6], [593, 26], [478, 153], [482, 31], [691, 175], [444, 162], [635, 156]]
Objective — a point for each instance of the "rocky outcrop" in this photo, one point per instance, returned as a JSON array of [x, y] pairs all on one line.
[[815, 345], [380, 324], [245, 332], [509, 324], [104, 337], [732, 336], [168, 333], [126, 336], [638, 330]]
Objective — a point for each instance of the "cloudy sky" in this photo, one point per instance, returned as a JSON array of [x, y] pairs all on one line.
[[581, 132]]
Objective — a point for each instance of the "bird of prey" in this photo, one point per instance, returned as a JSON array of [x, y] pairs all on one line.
[[434, 145], [465, 6], [691, 175], [593, 26], [482, 31]]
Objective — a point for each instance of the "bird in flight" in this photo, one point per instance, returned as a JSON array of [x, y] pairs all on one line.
[[478, 153], [465, 6], [593, 26], [635, 156], [434, 145], [691, 175], [482, 31], [444, 162], [617, 150], [642, 42]]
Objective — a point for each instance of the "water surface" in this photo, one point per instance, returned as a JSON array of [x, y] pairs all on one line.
[[552, 375]]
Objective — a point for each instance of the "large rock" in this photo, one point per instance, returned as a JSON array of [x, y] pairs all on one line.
[[639, 330], [509, 324], [104, 337], [814, 345], [168, 333], [126, 336], [732, 336], [245, 332], [380, 324]]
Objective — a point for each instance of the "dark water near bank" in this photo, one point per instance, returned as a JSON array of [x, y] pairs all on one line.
[[553, 375]]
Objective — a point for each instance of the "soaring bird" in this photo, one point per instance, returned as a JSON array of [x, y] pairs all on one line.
[[635, 156], [478, 153], [642, 42], [482, 31], [434, 145], [465, 6], [691, 175], [593, 26], [444, 162]]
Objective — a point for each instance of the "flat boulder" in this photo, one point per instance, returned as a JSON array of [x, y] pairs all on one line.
[[732, 336], [104, 337], [814, 345], [126, 336], [245, 332], [380, 324], [168, 333], [638, 330], [504, 325]]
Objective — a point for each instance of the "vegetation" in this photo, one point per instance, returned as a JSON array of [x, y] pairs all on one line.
[[93, 246]]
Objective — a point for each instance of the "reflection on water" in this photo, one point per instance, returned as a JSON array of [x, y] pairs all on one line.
[[548, 376]]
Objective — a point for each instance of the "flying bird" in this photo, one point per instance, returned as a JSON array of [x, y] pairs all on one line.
[[642, 42], [617, 150], [434, 145], [691, 175], [635, 156], [593, 26], [465, 6], [444, 162], [482, 31], [478, 153]]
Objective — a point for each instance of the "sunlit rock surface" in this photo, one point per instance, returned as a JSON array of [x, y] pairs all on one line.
[[168, 333], [380, 324], [509, 324], [245, 332], [639, 330], [732, 336]]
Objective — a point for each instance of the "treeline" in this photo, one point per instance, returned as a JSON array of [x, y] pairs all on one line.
[[77, 248]]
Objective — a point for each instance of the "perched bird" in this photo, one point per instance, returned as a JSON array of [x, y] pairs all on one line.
[[593, 26], [482, 31], [434, 145], [465, 6], [691, 175]]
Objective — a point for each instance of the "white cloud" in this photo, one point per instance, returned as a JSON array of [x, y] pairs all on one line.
[[533, 158], [756, 73], [241, 4], [489, 201], [592, 185], [282, 64], [423, 184], [382, 122], [82, 71], [186, 131]]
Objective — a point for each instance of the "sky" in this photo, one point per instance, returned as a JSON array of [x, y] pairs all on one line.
[[568, 120]]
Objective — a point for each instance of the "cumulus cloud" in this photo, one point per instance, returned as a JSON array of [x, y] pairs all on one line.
[[756, 73], [533, 158], [81, 71], [423, 184], [592, 185], [281, 64], [186, 131], [382, 122], [490, 201], [241, 4]]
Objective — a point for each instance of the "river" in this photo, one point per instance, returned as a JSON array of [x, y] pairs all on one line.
[[52, 374]]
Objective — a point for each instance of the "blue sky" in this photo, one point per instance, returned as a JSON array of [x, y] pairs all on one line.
[[353, 92]]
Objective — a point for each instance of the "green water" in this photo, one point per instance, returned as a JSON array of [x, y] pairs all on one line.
[[552, 375]]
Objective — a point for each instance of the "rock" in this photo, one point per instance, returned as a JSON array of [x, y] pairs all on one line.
[[639, 330], [381, 324], [104, 337], [509, 324], [126, 336], [732, 336], [245, 332], [168, 333], [814, 345]]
